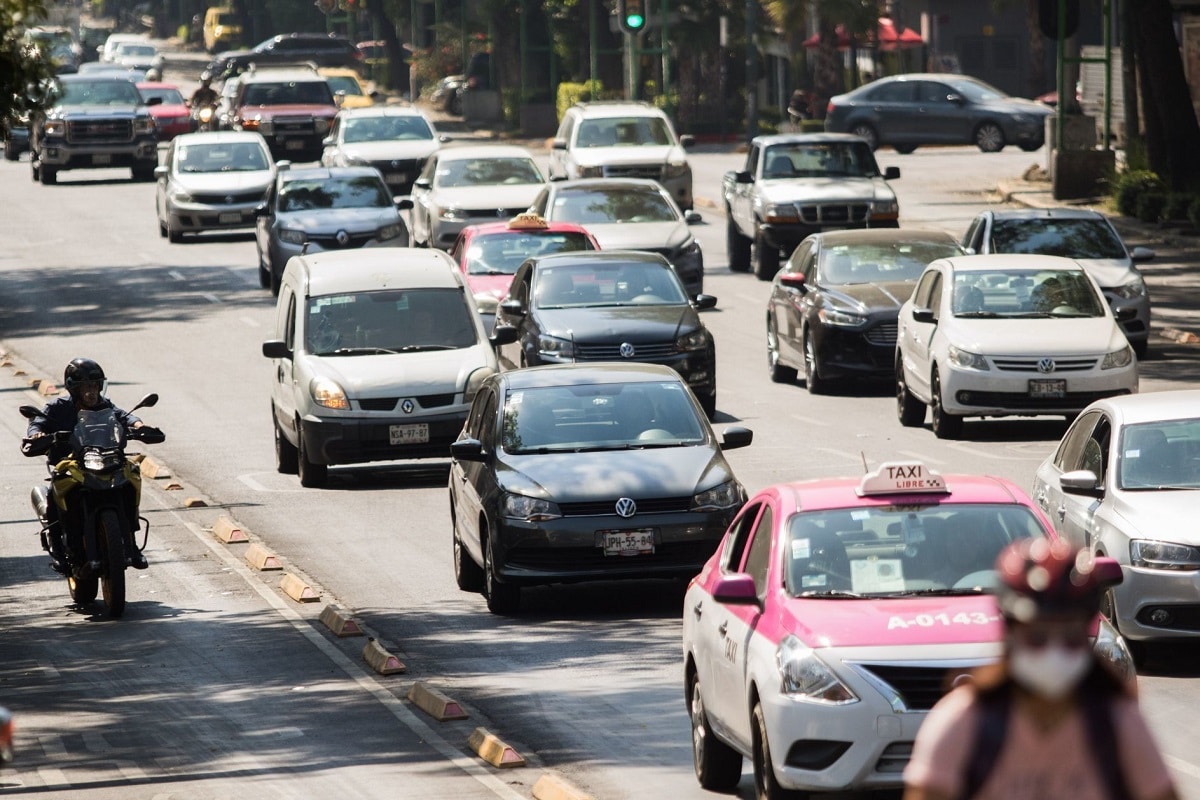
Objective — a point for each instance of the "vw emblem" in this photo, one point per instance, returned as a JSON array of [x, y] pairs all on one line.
[[626, 507], [408, 406], [395, 164], [228, 199], [343, 238], [1046, 365], [627, 350]]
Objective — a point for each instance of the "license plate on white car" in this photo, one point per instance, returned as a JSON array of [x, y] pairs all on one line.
[[628, 543], [229, 218], [396, 177], [1048, 390], [294, 144], [409, 434]]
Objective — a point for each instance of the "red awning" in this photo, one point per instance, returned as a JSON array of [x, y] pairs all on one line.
[[889, 38]]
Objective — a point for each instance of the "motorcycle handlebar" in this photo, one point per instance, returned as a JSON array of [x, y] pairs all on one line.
[[148, 434]]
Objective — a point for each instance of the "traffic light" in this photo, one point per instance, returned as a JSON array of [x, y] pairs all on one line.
[[631, 15]]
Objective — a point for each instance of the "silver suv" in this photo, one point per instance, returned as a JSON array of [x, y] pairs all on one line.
[[622, 140]]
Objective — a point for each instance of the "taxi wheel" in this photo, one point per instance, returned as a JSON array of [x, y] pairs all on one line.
[[766, 787], [718, 766], [945, 426], [909, 409], [502, 598], [780, 373]]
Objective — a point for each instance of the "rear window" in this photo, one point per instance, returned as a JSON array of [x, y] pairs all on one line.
[[502, 253]]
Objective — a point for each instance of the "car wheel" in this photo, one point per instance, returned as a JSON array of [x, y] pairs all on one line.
[[162, 229], [143, 175], [1138, 650], [865, 131], [48, 176], [708, 403], [174, 236], [812, 368], [11, 153], [766, 785], [766, 258], [945, 426], [502, 598], [780, 373], [467, 574], [736, 245], [989, 138], [1029, 148], [35, 169], [904, 149], [276, 279], [312, 475], [909, 410], [718, 766], [264, 271], [286, 455]]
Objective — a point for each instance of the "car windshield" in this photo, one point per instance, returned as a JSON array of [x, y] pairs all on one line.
[[1070, 238], [1021, 294], [623, 132], [170, 97], [502, 253], [1160, 455], [600, 416], [889, 551], [819, 159], [976, 91], [136, 50], [383, 128], [358, 191], [487, 172], [225, 157], [604, 206], [288, 93], [344, 83], [882, 262], [388, 321], [607, 284], [100, 93]]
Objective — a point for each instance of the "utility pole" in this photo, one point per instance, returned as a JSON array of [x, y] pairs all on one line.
[[751, 69]]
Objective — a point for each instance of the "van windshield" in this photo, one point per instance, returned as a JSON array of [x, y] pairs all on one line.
[[388, 321]]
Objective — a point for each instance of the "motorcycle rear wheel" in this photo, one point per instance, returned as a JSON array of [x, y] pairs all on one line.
[[112, 576]]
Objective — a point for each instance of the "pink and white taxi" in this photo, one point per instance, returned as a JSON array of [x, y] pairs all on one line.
[[836, 612]]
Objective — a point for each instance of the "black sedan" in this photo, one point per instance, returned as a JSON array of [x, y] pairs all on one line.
[[833, 307], [609, 306], [906, 111], [586, 472]]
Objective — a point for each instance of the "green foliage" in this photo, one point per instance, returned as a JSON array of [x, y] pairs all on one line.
[[571, 93], [25, 74], [1176, 206], [1131, 184], [1150, 206]]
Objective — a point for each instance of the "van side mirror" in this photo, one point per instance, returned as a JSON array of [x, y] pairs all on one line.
[[923, 315], [891, 173]]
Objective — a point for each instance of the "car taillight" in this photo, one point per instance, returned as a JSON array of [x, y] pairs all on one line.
[[829, 109]]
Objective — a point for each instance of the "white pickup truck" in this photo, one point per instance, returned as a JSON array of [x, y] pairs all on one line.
[[796, 184]]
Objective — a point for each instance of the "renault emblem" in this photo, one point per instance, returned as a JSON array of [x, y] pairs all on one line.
[[343, 238], [408, 406], [627, 350], [1046, 365], [626, 507]]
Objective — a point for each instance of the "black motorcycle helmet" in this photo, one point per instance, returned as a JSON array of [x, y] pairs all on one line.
[[79, 372]]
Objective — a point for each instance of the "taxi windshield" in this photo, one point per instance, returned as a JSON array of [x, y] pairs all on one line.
[[891, 551], [502, 253]]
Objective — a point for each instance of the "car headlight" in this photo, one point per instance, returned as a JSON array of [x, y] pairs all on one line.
[[180, 196], [54, 127], [530, 509], [692, 248], [555, 347], [781, 212], [452, 214], [841, 318], [591, 172], [885, 209], [321, 125], [388, 232], [673, 170], [328, 394], [696, 340], [476, 380], [806, 675], [1118, 358], [1135, 288], [727, 495], [1109, 647], [355, 161], [143, 125], [292, 236], [1151, 554], [965, 359]]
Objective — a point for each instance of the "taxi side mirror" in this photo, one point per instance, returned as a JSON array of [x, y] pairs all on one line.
[[736, 590]]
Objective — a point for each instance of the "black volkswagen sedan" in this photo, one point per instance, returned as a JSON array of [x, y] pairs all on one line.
[[586, 472], [833, 306], [609, 306]]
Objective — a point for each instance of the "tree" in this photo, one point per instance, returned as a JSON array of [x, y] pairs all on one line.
[[25, 71], [1171, 131]]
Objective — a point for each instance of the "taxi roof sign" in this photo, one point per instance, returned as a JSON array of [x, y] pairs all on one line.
[[528, 222], [902, 477]]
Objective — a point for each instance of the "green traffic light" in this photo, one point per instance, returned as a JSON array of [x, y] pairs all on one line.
[[634, 21]]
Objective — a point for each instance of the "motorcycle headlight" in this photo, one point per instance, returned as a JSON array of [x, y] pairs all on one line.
[[675, 170], [885, 209], [55, 127], [727, 495], [143, 125], [452, 214], [476, 380], [808, 677], [591, 172], [93, 461], [1118, 358], [328, 394], [388, 232], [1150, 554], [965, 359], [530, 509], [696, 340], [781, 212], [841, 318], [555, 347], [1135, 288], [1109, 647], [292, 236]]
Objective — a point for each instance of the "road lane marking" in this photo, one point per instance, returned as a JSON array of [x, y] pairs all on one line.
[[52, 745], [52, 778], [258, 487], [95, 742]]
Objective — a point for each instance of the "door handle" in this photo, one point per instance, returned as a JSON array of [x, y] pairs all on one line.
[[1062, 512], [697, 610], [724, 626]]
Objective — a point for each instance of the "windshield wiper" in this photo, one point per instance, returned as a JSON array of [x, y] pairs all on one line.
[[359, 351], [1166, 487], [421, 348], [947, 591], [976, 314], [834, 593]]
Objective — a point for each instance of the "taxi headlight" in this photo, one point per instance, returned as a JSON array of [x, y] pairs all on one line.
[[965, 359], [530, 509], [675, 170], [696, 340], [840, 318], [591, 172], [1135, 288], [1150, 554], [781, 212], [806, 675], [475, 381], [1118, 358], [727, 495], [388, 232], [1110, 648], [555, 347], [328, 394], [292, 236]]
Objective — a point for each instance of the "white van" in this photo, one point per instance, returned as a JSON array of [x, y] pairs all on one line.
[[378, 353]]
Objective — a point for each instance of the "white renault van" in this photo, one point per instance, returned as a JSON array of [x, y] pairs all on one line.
[[378, 353]]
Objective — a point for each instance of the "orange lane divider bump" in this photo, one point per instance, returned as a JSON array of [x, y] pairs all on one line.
[[152, 469], [552, 787], [260, 558], [494, 751], [434, 703], [338, 620], [381, 660], [298, 590], [227, 530]]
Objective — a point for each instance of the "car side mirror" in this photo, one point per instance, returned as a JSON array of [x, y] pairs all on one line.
[[262, 210], [403, 202], [160, 172], [743, 177], [923, 315], [467, 450], [891, 173], [704, 302], [736, 590], [327, 141], [969, 251], [692, 217], [513, 308], [736, 436], [422, 183], [1082, 482], [276, 348], [1125, 313], [1141, 254], [687, 140], [559, 144], [503, 334], [793, 280], [957, 99]]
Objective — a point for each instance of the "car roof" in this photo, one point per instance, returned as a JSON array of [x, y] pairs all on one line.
[[606, 183], [830, 493], [365, 269], [220, 137], [156, 85], [1046, 213], [483, 151], [582, 374], [1132, 409], [339, 72], [617, 108], [579, 257], [115, 75], [1013, 261], [883, 235], [804, 138], [272, 74], [488, 228], [325, 173], [384, 111]]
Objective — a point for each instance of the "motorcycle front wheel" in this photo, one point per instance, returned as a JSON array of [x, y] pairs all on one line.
[[83, 590], [112, 574]]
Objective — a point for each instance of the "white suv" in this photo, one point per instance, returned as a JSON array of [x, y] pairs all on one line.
[[622, 140]]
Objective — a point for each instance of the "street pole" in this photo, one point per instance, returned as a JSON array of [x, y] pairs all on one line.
[[751, 69], [664, 38], [593, 57]]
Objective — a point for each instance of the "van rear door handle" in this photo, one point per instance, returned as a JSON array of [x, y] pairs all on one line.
[[724, 626]]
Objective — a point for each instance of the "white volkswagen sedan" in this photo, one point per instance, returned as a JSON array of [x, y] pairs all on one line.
[[1125, 481], [1005, 335]]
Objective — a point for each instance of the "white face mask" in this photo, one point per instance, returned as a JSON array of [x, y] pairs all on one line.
[[1051, 671]]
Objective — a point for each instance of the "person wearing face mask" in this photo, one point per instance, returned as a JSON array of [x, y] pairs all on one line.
[[1050, 720]]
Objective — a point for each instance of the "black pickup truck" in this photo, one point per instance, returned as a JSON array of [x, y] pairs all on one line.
[[97, 122]]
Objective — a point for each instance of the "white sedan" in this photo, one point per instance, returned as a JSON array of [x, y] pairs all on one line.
[[1124, 481], [1003, 335]]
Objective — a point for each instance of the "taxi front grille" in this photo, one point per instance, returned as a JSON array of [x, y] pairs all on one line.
[[918, 687], [494, 213]]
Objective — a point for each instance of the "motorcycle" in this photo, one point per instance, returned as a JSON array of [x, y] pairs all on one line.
[[89, 510], [204, 117]]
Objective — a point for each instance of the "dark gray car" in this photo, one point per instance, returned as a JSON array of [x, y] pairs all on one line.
[[906, 111], [586, 472]]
